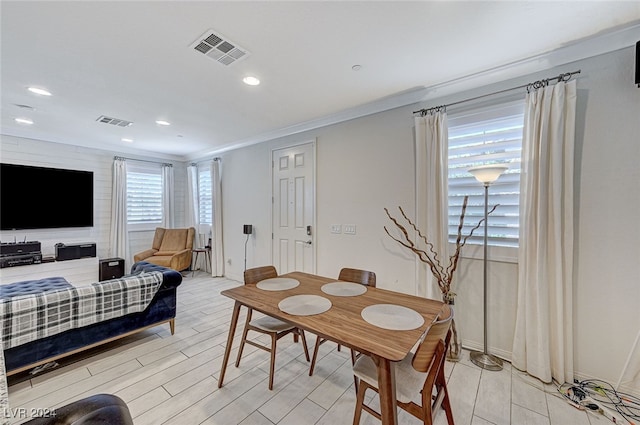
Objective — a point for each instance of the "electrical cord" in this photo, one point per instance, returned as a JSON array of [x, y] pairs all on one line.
[[599, 396]]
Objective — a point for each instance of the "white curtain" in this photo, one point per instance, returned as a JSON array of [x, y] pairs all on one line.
[[217, 255], [119, 237], [192, 218], [167, 196], [432, 140], [543, 341], [631, 370]]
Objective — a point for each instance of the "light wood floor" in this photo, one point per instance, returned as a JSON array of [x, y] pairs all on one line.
[[169, 379]]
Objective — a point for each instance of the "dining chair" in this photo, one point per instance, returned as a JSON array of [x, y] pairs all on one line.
[[363, 277], [421, 387], [267, 325]]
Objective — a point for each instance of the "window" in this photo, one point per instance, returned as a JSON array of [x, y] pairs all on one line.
[[490, 135], [144, 195], [205, 200]]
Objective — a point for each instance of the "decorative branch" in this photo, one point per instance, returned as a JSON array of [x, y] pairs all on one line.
[[429, 256]]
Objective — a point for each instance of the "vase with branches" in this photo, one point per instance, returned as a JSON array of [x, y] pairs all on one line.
[[442, 270]]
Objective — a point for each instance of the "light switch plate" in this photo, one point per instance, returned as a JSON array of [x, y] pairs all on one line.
[[349, 229], [336, 228]]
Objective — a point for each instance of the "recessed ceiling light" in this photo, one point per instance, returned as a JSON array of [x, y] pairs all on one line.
[[162, 122], [252, 81], [40, 91], [25, 121], [124, 139]]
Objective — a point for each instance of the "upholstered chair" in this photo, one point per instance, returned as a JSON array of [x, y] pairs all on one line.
[[171, 248]]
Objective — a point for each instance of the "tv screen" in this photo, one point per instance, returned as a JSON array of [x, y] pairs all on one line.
[[44, 198]]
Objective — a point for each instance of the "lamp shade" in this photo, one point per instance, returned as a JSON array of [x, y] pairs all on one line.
[[488, 173]]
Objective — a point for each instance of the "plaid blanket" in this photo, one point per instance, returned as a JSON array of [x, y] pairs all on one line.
[[26, 318]]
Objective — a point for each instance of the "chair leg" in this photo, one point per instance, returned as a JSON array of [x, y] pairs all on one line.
[[315, 355], [359, 402], [356, 381], [304, 344], [446, 403], [272, 367], [245, 331]]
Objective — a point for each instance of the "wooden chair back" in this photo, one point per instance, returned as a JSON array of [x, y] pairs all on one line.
[[257, 274], [358, 276], [424, 355]]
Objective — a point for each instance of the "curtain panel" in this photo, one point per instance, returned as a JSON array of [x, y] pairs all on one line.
[[167, 196], [119, 236], [432, 195], [192, 217], [543, 340], [217, 254]]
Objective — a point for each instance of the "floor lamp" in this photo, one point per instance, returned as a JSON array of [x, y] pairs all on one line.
[[486, 174]]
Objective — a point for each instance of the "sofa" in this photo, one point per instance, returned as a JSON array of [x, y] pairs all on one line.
[[78, 318], [170, 248]]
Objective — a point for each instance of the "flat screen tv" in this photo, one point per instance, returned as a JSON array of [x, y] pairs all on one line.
[[44, 198]]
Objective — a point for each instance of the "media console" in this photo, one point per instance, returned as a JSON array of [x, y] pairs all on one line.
[[80, 272]]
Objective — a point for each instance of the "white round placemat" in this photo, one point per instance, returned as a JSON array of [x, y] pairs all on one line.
[[344, 289], [277, 284], [304, 305], [391, 316]]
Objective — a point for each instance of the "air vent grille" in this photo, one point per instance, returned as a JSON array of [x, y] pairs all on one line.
[[114, 121], [219, 48]]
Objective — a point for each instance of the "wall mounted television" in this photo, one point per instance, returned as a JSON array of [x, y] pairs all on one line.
[[44, 198]]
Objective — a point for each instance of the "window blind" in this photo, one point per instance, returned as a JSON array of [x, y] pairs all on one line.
[[144, 197], [489, 136], [204, 195]]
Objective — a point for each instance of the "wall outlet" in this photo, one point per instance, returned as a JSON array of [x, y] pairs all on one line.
[[349, 229], [336, 228]]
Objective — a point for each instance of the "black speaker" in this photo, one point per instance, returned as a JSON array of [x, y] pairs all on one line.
[[111, 268], [247, 229], [75, 251], [638, 64]]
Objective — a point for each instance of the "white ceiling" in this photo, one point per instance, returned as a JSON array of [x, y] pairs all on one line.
[[132, 60]]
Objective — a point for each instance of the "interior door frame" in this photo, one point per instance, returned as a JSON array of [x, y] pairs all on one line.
[[314, 225]]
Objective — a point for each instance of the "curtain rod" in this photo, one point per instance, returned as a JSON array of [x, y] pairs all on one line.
[[142, 160], [217, 158], [530, 86]]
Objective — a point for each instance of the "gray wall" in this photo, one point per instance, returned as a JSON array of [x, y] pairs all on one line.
[[366, 164]]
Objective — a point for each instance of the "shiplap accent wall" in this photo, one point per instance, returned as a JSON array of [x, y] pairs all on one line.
[[23, 151]]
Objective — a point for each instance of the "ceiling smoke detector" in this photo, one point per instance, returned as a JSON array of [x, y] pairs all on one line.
[[114, 121], [219, 48]]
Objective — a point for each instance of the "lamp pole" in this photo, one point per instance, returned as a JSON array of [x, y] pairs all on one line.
[[486, 175]]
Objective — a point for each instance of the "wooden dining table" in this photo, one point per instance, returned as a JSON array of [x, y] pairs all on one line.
[[343, 324]]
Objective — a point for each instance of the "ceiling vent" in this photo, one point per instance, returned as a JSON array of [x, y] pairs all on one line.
[[219, 48], [114, 121]]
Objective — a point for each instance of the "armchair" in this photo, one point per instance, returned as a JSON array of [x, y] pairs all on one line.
[[171, 248]]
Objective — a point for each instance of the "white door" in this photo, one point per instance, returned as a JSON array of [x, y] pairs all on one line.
[[294, 208]]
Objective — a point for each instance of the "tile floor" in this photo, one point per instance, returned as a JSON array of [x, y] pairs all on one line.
[[169, 379]]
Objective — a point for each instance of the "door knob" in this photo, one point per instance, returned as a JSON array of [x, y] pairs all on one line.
[[308, 242]]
